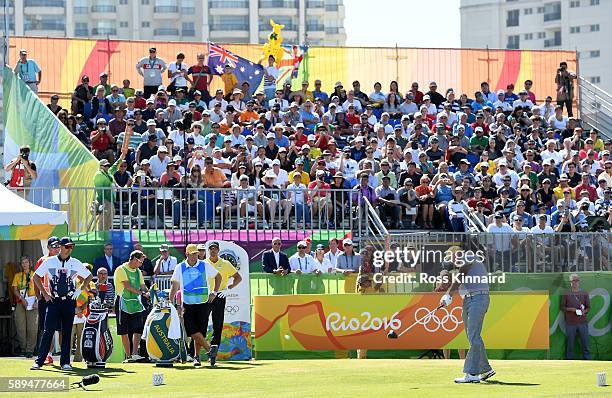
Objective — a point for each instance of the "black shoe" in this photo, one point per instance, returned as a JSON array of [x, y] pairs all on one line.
[[212, 354], [197, 362]]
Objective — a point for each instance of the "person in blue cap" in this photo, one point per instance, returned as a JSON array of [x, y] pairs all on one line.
[[62, 272]]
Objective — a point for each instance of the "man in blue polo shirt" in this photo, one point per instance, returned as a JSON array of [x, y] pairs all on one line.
[[28, 70], [191, 278]]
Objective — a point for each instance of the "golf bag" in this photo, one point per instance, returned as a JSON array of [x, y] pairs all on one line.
[[163, 334], [96, 340]]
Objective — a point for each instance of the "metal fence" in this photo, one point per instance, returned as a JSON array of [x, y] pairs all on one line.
[[202, 210], [509, 252]]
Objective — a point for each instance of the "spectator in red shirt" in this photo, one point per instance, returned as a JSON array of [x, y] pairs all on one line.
[[480, 123], [318, 194], [200, 78], [351, 117], [141, 101], [586, 186], [300, 138], [417, 95], [102, 141], [117, 124]]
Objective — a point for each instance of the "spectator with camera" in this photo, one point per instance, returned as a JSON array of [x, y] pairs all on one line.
[[22, 169]]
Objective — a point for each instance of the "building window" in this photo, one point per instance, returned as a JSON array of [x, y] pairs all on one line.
[[595, 79], [144, 2], [574, 29], [575, 4], [595, 28], [231, 22], [188, 7], [541, 35], [104, 28], [188, 29], [528, 11], [123, 2], [289, 22], [595, 53], [552, 11], [81, 29], [513, 18], [528, 36], [123, 24], [44, 22], [555, 41], [80, 7], [540, 10], [145, 24], [228, 4], [513, 42], [594, 2], [278, 4], [167, 6]]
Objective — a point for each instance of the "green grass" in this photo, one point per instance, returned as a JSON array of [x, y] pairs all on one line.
[[332, 378]]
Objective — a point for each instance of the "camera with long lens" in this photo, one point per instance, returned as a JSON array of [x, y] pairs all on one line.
[[25, 153]]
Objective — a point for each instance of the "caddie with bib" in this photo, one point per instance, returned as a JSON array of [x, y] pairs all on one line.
[[61, 271], [191, 278], [129, 288]]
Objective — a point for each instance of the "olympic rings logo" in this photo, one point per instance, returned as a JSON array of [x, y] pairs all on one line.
[[232, 309], [449, 322]]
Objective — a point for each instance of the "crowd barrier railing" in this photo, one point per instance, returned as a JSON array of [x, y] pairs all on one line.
[[199, 210]]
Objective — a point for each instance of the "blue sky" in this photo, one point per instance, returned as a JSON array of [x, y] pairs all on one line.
[[409, 23]]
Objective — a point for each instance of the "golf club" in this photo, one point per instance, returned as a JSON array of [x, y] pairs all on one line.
[[393, 335]]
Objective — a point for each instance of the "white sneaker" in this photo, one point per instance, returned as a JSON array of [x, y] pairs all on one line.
[[66, 367], [487, 375], [35, 366], [136, 357], [468, 378]]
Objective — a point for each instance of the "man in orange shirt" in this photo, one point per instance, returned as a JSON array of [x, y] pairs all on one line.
[[248, 115], [53, 245], [213, 176]]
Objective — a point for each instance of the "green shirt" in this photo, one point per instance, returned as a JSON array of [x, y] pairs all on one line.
[[533, 179], [482, 141], [128, 92], [129, 301], [103, 183], [135, 140]]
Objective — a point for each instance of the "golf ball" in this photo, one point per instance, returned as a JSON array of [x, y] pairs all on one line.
[[287, 337]]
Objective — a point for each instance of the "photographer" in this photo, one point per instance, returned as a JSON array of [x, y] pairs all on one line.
[[565, 87], [22, 169]]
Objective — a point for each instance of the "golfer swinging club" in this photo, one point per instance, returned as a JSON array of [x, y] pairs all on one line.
[[475, 304], [191, 277]]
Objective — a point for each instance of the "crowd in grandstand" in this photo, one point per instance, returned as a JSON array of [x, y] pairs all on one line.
[[423, 158]]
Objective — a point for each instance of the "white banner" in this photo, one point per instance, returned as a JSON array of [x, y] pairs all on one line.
[[236, 337]]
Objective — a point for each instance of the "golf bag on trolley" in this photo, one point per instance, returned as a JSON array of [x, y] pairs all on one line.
[[164, 334], [96, 340]]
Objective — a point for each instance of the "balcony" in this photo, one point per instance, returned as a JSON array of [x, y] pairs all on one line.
[[265, 27], [80, 9], [229, 26], [44, 25], [44, 3], [553, 16], [81, 32], [315, 27], [166, 32], [278, 4], [188, 10], [104, 32], [331, 7], [165, 9], [556, 42], [315, 4], [228, 4], [106, 8], [332, 30], [188, 33]]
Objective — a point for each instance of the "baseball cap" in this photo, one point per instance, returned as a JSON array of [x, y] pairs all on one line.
[[151, 122], [104, 162], [66, 241], [301, 245], [499, 214], [191, 249], [163, 248], [270, 136], [214, 243], [347, 242], [53, 242], [172, 103]]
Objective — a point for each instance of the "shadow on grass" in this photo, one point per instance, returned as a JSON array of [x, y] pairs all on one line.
[[107, 372], [504, 383]]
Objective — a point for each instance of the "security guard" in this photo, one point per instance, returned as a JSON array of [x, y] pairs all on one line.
[[61, 271], [227, 270]]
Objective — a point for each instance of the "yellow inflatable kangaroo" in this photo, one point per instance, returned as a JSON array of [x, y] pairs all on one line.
[[273, 46]]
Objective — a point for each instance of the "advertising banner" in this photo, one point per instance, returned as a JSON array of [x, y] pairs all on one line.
[[236, 336], [349, 321]]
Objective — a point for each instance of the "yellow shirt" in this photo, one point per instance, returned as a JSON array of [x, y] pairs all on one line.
[[558, 191], [229, 82], [20, 279], [305, 178], [315, 152], [121, 275], [223, 267]]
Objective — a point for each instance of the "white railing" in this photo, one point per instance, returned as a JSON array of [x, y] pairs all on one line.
[[595, 107]]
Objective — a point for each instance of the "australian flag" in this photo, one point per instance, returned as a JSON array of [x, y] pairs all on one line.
[[245, 70]]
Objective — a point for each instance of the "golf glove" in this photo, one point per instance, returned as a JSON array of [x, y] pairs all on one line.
[[76, 294], [223, 293], [446, 300]]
